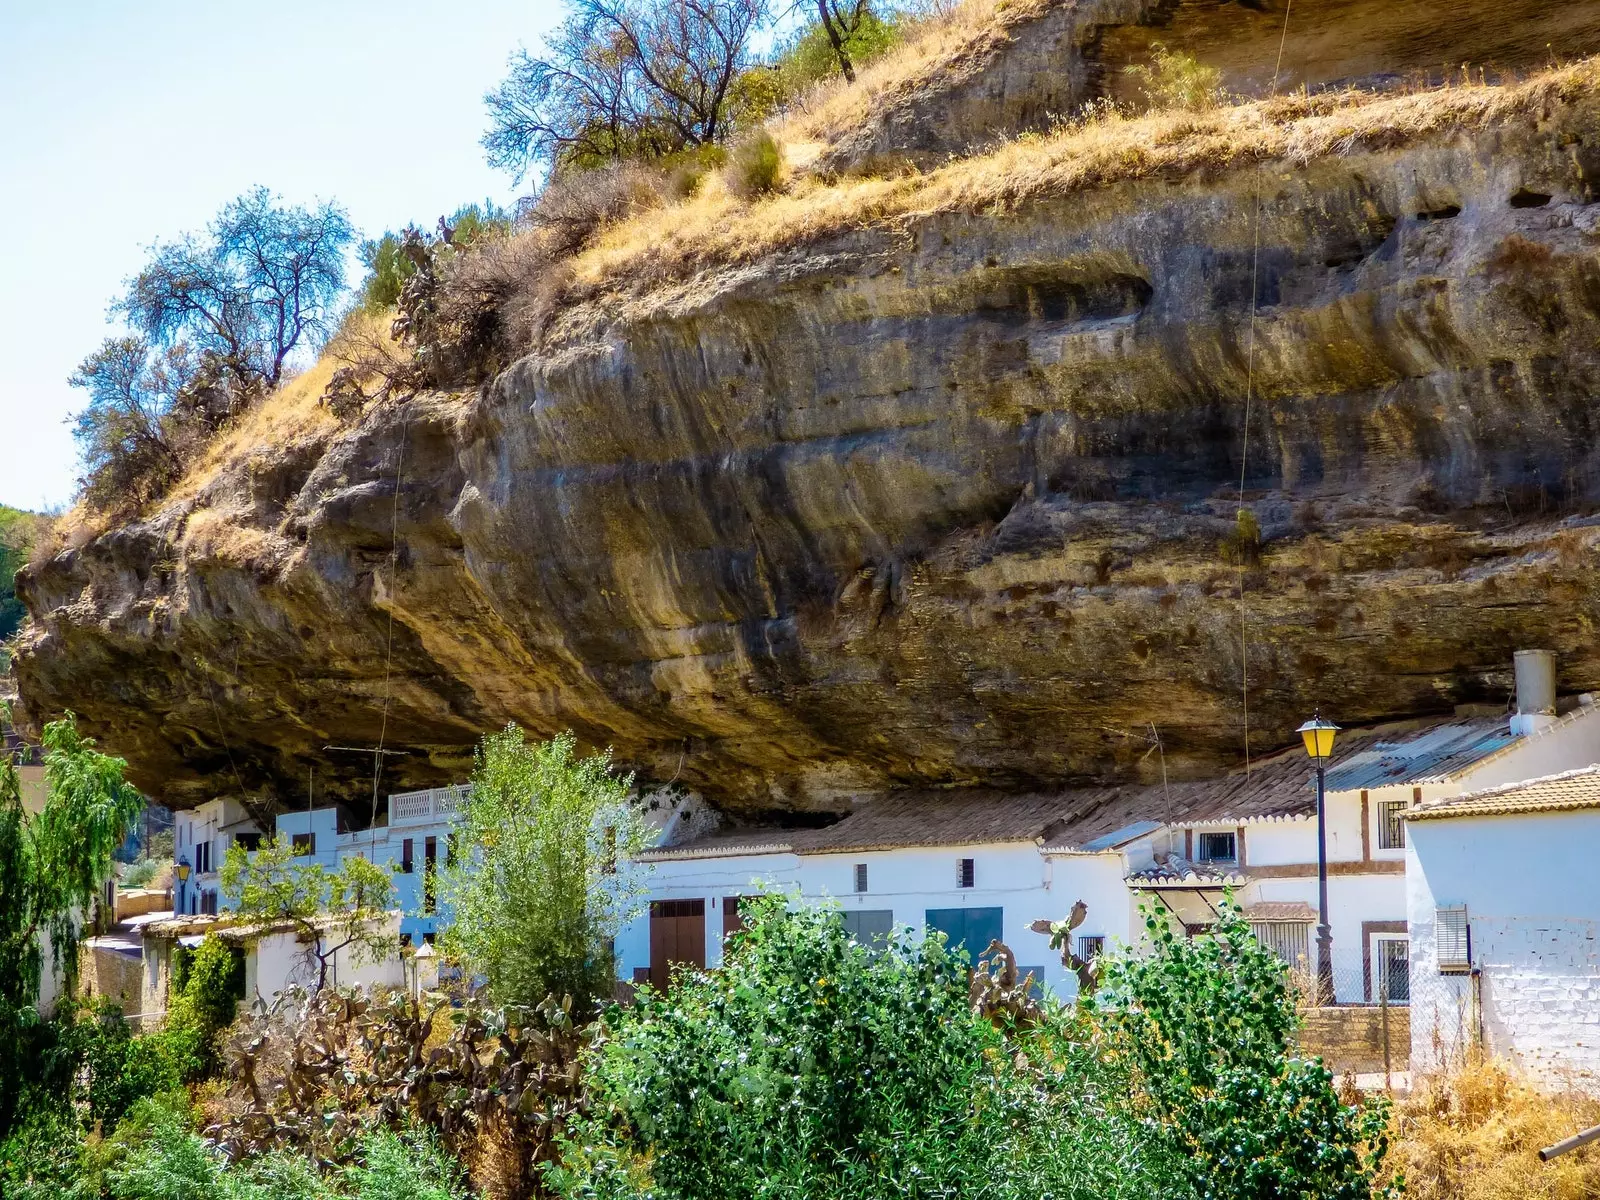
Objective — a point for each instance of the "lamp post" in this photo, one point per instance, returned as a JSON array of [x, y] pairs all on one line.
[[1318, 736], [183, 878]]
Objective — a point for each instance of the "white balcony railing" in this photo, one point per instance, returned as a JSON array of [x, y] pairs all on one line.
[[429, 806]]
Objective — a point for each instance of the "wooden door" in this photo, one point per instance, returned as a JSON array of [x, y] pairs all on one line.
[[677, 935]]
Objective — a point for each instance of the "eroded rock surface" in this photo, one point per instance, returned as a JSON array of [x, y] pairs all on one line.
[[947, 501]]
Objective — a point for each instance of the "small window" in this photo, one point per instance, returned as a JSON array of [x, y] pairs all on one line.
[[1391, 829], [966, 873], [1091, 947], [861, 877], [1454, 938], [305, 843], [248, 842], [1219, 848], [408, 850]]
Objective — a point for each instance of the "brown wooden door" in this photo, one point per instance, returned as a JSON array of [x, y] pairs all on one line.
[[732, 922], [677, 935]]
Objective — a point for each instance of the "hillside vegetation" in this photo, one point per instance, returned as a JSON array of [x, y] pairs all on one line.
[[18, 531]]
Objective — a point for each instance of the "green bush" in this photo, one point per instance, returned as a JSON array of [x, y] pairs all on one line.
[[756, 165], [405, 1166], [165, 1158], [1207, 1022], [1173, 79], [809, 1066]]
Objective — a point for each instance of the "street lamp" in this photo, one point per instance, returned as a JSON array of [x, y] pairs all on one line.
[[1318, 735], [183, 878]]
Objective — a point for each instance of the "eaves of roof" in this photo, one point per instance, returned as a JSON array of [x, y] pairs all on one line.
[[1570, 791]]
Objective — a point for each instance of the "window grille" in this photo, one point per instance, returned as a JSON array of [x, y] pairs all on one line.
[[861, 877], [1219, 848], [1091, 947], [1391, 829], [1289, 940], [1394, 969], [1454, 938], [966, 873]]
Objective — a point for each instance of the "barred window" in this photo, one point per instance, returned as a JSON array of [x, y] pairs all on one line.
[[1454, 938], [1289, 940], [1218, 848], [966, 873], [861, 877], [1091, 947], [1391, 829]]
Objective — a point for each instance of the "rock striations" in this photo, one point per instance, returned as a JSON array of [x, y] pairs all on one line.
[[947, 499]]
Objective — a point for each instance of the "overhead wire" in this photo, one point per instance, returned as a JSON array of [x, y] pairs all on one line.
[[1249, 396]]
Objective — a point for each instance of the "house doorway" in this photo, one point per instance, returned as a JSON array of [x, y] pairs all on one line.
[[677, 935]]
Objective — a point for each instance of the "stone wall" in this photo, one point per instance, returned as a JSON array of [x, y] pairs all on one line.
[[104, 974], [1350, 1037]]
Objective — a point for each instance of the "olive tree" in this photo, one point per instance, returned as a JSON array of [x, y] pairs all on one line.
[[330, 911], [542, 879]]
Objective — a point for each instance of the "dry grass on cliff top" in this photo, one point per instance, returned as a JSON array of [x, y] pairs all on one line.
[[937, 46], [717, 228], [1475, 1135]]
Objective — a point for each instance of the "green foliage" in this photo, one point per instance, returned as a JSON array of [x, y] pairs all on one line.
[[52, 866], [278, 1176], [1207, 1022], [809, 1066], [547, 884], [18, 530], [1173, 79], [405, 1166], [347, 908], [388, 268], [207, 985], [140, 874], [757, 162], [165, 1158], [808, 57]]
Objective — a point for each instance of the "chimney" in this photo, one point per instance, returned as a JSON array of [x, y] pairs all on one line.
[[1536, 691]]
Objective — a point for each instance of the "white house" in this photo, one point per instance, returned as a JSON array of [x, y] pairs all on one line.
[[979, 864], [201, 838], [1503, 900]]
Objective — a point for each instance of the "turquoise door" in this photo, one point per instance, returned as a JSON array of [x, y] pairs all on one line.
[[971, 929]]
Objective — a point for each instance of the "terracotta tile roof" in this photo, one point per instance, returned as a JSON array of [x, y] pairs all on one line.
[[1266, 911], [1175, 870], [1279, 786], [1567, 792]]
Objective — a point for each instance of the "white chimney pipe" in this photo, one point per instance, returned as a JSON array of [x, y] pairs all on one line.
[[1536, 691]]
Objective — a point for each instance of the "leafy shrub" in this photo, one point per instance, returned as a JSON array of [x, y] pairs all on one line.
[[165, 1159], [388, 268], [278, 1176], [808, 57], [405, 1166], [1207, 1022], [1173, 79], [756, 165], [809, 1066], [139, 874]]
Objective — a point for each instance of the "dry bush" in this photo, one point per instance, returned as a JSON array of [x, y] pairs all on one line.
[[756, 164], [935, 45], [314, 1071], [1175, 80], [577, 204], [1475, 1134]]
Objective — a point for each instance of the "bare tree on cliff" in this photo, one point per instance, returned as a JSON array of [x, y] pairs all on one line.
[[214, 321], [623, 79]]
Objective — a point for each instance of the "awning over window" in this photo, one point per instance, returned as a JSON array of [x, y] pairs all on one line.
[[1188, 906]]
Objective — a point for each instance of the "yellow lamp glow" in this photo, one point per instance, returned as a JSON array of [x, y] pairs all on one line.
[[183, 870], [1318, 735]]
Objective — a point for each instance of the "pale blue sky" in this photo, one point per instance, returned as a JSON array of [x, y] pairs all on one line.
[[123, 123]]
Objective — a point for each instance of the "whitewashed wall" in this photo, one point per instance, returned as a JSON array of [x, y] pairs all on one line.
[[278, 960], [1572, 742], [1533, 904], [1016, 878]]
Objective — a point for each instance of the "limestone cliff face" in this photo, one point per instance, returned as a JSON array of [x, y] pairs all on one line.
[[942, 500]]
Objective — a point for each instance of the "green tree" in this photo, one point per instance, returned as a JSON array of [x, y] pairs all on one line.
[[345, 909], [18, 530], [52, 867], [1208, 1022], [809, 1067], [548, 881]]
